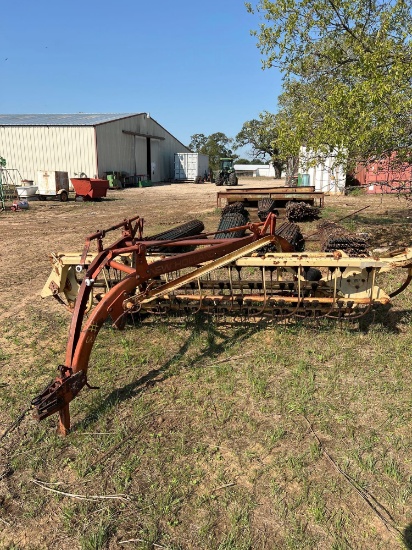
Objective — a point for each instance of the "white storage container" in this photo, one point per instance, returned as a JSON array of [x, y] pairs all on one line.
[[188, 166]]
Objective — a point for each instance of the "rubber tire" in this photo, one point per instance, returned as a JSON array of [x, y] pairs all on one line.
[[266, 205], [42, 197], [232, 180], [188, 229], [218, 181], [233, 219], [313, 274], [235, 207], [63, 196]]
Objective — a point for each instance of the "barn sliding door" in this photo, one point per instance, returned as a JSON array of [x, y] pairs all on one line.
[[140, 156], [155, 172]]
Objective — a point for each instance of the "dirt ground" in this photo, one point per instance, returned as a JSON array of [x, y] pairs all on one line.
[[26, 240]]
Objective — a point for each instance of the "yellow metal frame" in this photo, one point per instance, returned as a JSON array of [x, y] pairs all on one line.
[[346, 278]]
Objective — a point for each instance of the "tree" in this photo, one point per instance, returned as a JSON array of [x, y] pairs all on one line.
[[347, 72], [216, 146], [259, 161], [262, 136], [197, 142]]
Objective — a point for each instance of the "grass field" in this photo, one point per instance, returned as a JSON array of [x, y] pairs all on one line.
[[210, 436]]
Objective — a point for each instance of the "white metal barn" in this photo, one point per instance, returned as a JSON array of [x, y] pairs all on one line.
[[326, 175], [93, 144], [255, 170]]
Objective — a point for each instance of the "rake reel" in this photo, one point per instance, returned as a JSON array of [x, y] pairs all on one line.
[[233, 277]]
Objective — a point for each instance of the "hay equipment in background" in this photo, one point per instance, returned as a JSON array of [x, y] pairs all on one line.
[[301, 212], [265, 207], [9, 179], [335, 237]]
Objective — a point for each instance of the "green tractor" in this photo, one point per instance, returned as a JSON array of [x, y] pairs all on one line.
[[226, 174]]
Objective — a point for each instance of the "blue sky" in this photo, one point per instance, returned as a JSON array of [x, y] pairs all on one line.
[[192, 64]]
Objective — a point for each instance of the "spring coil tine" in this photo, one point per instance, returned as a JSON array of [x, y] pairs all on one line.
[[258, 298], [200, 298], [332, 307], [293, 312], [232, 296], [334, 294], [106, 280], [262, 309], [364, 311], [369, 306], [327, 314]]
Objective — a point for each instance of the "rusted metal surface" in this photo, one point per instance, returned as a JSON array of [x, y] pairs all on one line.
[[59, 392], [279, 194], [273, 190], [335, 237], [301, 212], [90, 188], [81, 338], [388, 174]]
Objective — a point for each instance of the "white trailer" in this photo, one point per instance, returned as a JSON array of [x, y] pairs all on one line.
[[53, 184], [191, 166]]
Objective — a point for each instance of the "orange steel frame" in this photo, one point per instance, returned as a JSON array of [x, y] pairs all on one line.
[[82, 335]]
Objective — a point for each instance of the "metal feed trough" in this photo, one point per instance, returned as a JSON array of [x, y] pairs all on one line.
[[90, 188]]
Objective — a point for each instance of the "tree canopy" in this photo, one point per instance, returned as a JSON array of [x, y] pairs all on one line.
[[262, 136], [347, 69], [217, 146]]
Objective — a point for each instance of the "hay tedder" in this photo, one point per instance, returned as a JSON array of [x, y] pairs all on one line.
[[259, 277]]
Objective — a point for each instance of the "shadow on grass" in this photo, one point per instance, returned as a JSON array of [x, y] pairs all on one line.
[[407, 537], [155, 376], [388, 319]]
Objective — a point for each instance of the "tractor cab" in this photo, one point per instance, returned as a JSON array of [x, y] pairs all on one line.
[[226, 164]]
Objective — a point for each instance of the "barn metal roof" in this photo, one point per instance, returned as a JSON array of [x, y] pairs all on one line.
[[74, 119]]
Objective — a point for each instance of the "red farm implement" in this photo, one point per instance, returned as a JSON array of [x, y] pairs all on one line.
[[259, 276]]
